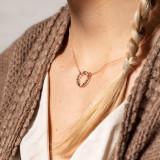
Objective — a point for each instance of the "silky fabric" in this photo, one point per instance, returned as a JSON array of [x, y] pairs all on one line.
[[35, 143]]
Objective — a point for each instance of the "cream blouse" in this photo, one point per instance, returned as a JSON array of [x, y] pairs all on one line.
[[35, 143]]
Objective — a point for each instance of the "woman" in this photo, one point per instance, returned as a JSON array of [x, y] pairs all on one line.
[[112, 112]]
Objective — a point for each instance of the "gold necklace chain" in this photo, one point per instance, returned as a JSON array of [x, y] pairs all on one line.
[[99, 69], [89, 74]]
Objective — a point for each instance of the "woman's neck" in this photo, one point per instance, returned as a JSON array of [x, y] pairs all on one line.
[[96, 17], [101, 27]]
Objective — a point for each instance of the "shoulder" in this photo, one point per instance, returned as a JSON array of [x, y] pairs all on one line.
[[31, 34], [18, 51]]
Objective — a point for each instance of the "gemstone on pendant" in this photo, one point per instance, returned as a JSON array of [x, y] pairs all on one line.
[[80, 75]]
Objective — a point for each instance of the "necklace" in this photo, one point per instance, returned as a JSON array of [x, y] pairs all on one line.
[[89, 74], [86, 73]]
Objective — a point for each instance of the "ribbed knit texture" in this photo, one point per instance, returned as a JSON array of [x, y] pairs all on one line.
[[23, 67]]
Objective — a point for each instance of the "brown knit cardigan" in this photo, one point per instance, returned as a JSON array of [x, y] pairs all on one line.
[[23, 67]]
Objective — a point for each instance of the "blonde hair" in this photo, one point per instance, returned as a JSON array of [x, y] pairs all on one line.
[[112, 96]]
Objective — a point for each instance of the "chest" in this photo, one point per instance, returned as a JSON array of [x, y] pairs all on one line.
[[68, 101], [65, 111]]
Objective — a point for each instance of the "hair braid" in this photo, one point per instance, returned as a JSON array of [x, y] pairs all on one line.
[[138, 30]]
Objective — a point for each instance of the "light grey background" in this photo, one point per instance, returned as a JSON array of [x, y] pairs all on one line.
[[17, 15]]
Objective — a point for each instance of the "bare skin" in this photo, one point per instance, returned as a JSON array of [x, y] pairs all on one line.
[[95, 26]]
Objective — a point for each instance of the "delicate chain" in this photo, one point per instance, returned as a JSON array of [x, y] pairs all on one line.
[[143, 42], [96, 71]]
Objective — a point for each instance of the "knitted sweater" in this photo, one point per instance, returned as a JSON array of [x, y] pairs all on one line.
[[23, 67]]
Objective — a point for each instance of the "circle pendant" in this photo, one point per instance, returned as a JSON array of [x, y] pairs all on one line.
[[80, 75]]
